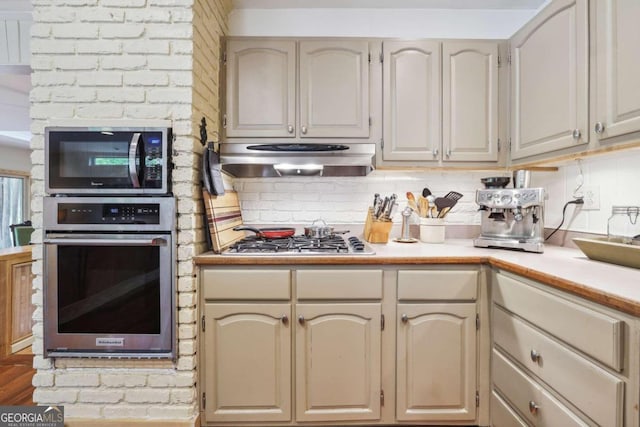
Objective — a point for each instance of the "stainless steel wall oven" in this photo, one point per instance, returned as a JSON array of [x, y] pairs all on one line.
[[109, 268]]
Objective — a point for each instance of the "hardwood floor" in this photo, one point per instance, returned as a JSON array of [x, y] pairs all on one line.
[[16, 372]]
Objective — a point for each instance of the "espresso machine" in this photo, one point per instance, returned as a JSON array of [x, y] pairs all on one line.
[[512, 218]]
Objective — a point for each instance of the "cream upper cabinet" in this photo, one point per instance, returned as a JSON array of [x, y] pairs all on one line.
[[411, 94], [617, 94], [274, 92], [261, 88], [550, 77], [247, 362], [436, 362], [470, 101], [334, 89], [338, 364]]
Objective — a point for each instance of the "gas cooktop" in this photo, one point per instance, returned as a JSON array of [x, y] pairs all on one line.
[[299, 245]]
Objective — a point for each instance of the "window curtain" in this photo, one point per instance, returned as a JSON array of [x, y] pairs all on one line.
[[11, 206]]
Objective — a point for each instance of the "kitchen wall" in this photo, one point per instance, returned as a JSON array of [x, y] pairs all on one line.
[[117, 61], [15, 159]]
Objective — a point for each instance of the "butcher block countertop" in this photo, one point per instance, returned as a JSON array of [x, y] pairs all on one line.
[[563, 268]]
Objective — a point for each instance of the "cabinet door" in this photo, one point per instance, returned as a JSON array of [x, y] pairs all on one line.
[[21, 307], [470, 101], [411, 93], [618, 66], [436, 362], [261, 83], [338, 362], [247, 362], [550, 80], [334, 89]]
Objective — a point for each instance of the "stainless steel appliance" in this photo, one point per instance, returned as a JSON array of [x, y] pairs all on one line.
[[109, 268], [300, 245], [512, 218], [301, 159], [108, 160]]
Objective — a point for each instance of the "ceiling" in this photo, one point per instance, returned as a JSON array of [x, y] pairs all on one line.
[[388, 4]]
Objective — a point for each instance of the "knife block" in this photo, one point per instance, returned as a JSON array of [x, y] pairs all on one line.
[[376, 231]]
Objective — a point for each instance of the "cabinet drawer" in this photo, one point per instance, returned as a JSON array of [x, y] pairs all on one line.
[[502, 415], [590, 388], [339, 284], [246, 284], [437, 285], [597, 334], [523, 393]]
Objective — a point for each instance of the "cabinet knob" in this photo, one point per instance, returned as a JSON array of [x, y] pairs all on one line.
[[448, 152], [304, 130], [535, 356], [599, 127], [435, 152], [301, 319], [290, 129], [533, 407], [284, 319], [404, 318], [576, 134]]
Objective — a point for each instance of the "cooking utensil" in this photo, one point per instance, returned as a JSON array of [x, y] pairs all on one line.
[[495, 181], [320, 231], [423, 206], [426, 192], [442, 203], [444, 212], [453, 195], [211, 171], [270, 232], [411, 201]]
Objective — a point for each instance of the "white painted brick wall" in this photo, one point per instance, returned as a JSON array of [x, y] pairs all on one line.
[[120, 60]]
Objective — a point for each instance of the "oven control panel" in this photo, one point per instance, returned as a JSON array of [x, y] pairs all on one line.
[[108, 213]]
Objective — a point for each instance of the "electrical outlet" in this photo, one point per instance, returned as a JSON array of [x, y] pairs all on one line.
[[591, 197]]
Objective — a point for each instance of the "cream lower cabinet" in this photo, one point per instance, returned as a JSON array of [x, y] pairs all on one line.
[[436, 353], [338, 362], [319, 345], [559, 360]]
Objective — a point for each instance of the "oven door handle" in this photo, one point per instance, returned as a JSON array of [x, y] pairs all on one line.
[[133, 155], [156, 241]]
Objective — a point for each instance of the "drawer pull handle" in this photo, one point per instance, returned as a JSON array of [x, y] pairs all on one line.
[[535, 356], [301, 319], [533, 407], [404, 318], [284, 319]]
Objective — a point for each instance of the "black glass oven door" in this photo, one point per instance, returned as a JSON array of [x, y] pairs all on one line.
[[108, 293]]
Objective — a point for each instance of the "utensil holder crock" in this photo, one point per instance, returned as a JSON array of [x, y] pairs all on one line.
[[432, 230]]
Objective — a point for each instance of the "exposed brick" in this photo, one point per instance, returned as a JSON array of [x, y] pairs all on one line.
[[121, 31], [123, 379], [85, 379], [80, 63], [100, 396], [154, 47], [100, 15], [54, 14], [82, 411], [123, 95], [125, 411], [147, 111], [182, 395], [172, 32], [73, 95], [52, 79], [99, 111], [124, 62], [99, 47], [149, 15], [103, 78], [53, 46], [146, 78], [75, 31], [123, 3], [147, 395], [43, 379], [168, 412], [44, 396]]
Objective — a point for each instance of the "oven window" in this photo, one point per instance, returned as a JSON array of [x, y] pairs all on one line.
[[96, 159], [109, 289]]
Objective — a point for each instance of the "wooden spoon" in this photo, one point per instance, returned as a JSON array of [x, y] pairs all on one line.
[[411, 201]]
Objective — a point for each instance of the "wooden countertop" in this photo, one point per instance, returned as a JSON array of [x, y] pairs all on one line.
[[563, 268], [7, 253]]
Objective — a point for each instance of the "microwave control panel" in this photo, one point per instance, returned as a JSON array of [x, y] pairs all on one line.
[[108, 213]]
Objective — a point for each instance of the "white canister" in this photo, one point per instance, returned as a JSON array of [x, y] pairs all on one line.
[[432, 230]]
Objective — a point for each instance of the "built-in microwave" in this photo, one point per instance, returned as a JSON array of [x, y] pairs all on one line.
[[108, 160]]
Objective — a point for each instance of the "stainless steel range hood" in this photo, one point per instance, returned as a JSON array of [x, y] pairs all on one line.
[[297, 159]]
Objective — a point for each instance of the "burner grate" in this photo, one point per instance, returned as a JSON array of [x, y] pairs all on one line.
[[299, 244]]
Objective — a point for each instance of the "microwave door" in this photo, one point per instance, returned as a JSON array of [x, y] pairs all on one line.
[[134, 160]]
